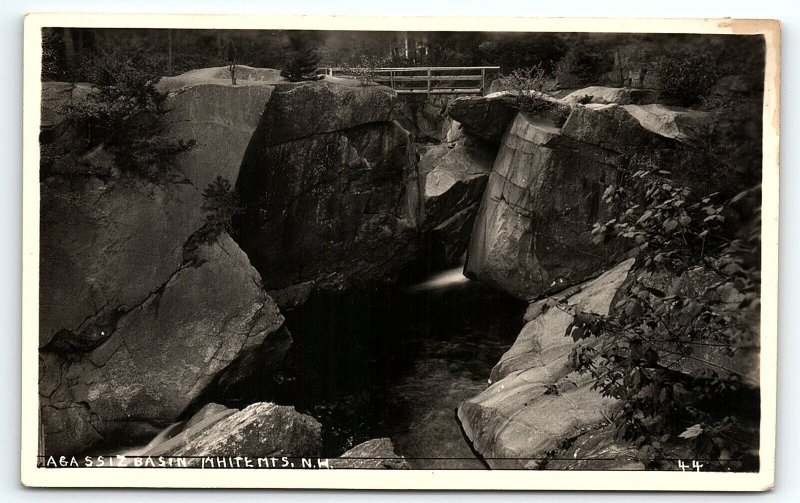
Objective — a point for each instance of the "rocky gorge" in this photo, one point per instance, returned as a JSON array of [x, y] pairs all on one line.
[[347, 194]]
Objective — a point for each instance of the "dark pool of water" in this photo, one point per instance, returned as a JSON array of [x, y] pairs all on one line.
[[394, 363]]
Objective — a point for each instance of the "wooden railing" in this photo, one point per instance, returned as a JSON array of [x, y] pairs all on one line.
[[423, 79]]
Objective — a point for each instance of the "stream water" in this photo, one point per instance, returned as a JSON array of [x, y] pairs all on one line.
[[395, 363]]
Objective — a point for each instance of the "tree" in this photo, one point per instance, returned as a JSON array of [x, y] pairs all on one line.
[[301, 58]]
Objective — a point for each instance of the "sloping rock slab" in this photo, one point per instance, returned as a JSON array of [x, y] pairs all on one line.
[[98, 244], [220, 117], [259, 430], [597, 449], [536, 401], [373, 454], [162, 354], [618, 95]]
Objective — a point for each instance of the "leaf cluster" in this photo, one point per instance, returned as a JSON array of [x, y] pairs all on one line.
[[663, 352], [124, 114]]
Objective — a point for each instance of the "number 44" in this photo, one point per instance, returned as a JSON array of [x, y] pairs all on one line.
[[696, 465]]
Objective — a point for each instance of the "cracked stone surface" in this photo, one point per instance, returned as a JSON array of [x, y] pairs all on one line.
[[261, 429], [535, 400], [532, 232], [163, 353], [220, 117], [324, 188], [377, 453]]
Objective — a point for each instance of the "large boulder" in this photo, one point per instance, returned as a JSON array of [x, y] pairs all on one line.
[[486, 117], [161, 355], [204, 106], [451, 181], [373, 454], [260, 430], [532, 232], [324, 188], [535, 400], [106, 246]]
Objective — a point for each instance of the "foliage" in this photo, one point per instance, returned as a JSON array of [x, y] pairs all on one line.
[[661, 350], [581, 65], [220, 204], [686, 77], [363, 68], [514, 50], [301, 59], [526, 94], [123, 113]]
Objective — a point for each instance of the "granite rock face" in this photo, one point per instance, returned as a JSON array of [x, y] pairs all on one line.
[[161, 354], [105, 248], [138, 315], [204, 106], [259, 430], [532, 232], [324, 188], [451, 181], [535, 400]]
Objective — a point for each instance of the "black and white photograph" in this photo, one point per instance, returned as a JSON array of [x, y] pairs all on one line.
[[303, 251]]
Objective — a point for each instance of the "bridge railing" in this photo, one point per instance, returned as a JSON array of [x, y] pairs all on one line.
[[424, 79]]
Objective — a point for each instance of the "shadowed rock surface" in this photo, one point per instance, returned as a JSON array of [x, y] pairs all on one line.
[[324, 188], [452, 178], [161, 356]]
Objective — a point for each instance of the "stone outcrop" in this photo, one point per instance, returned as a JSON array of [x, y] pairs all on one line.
[[204, 106], [259, 430], [139, 314], [617, 95], [373, 454], [532, 233], [161, 354], [451, 181], [535, 400], [324, 188]]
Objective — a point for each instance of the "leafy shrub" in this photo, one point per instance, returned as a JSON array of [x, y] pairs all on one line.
[[635, 353], [301, 59], [220, 204], [123, 113], [526, 86], [686, 78]]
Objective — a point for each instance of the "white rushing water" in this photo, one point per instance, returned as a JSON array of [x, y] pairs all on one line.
[[448, 278], [159, 439]]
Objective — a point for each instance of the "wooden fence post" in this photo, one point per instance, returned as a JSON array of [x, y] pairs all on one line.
[[429, 81]]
